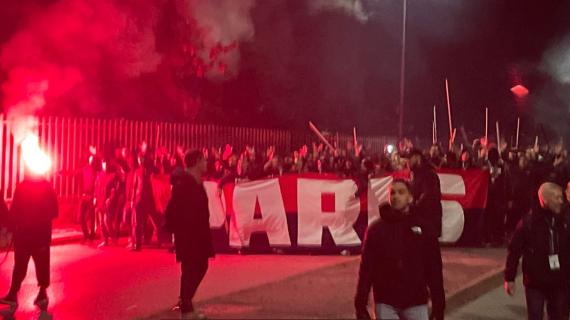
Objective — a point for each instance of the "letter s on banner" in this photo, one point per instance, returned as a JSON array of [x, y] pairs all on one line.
[[312, 219], [453, 216]]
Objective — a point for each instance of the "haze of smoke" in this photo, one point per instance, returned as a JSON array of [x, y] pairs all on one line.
[[73, 45], [351, 7], [223, 24], [556, 61]]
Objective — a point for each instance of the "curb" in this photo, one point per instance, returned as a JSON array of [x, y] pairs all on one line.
[[66, 240], [474, 289]]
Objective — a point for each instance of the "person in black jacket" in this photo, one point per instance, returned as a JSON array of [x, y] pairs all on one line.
[[34, 206], [543, 240], [497, 199], [187, 216], [426, 189], [401, 260], [521, 194]]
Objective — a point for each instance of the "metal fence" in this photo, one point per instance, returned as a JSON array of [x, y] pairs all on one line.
[[66, 140]]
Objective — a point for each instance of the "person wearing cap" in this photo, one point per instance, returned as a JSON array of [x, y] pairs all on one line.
[[401, 262], [426, 189]]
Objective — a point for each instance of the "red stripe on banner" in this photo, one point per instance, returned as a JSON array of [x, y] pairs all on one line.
[[476, 187], [328, 202], [468, 187]]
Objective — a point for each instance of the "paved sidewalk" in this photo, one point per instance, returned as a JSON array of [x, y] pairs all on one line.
[[328, 292]]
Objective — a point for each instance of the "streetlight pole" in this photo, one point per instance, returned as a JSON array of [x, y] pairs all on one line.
[[402, 71]]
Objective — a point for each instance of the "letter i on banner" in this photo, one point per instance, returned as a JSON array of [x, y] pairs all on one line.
[[312, 218]]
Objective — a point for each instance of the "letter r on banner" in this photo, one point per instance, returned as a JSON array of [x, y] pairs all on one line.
[[378, 193], [312, 219]]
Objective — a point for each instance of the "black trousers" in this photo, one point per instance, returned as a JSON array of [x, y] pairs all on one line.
[[139, 216], [22, 255], [139, 225], [494, 222], [110, 221], [555, 299], [87, 217], [193, 272]]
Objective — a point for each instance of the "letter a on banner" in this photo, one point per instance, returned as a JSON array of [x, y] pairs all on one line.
[[312, 219], [273, 218]]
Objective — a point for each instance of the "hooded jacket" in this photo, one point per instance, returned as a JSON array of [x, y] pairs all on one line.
[[401, 260], [188, 217]]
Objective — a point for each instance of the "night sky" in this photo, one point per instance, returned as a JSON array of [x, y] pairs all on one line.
[[339, 70]]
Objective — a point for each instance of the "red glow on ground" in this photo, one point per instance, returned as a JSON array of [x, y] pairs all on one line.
[[520, 91]]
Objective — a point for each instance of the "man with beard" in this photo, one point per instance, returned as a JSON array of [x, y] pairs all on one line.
[[187, 216], [401, 261]]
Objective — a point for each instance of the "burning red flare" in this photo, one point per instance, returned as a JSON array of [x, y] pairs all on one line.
[[35, 159], [520, 91]]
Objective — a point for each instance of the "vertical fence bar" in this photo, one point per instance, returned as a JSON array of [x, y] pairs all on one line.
[[2, 156], [67, 156], [74, 161], [59, 148]]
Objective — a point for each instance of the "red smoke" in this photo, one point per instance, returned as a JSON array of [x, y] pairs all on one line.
[[101, 57], [74, 48]]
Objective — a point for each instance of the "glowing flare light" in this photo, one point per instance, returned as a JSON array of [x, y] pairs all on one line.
[[520, 91], [35, 159]]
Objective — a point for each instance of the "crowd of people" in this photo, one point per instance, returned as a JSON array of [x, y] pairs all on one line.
[[117, 191]]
